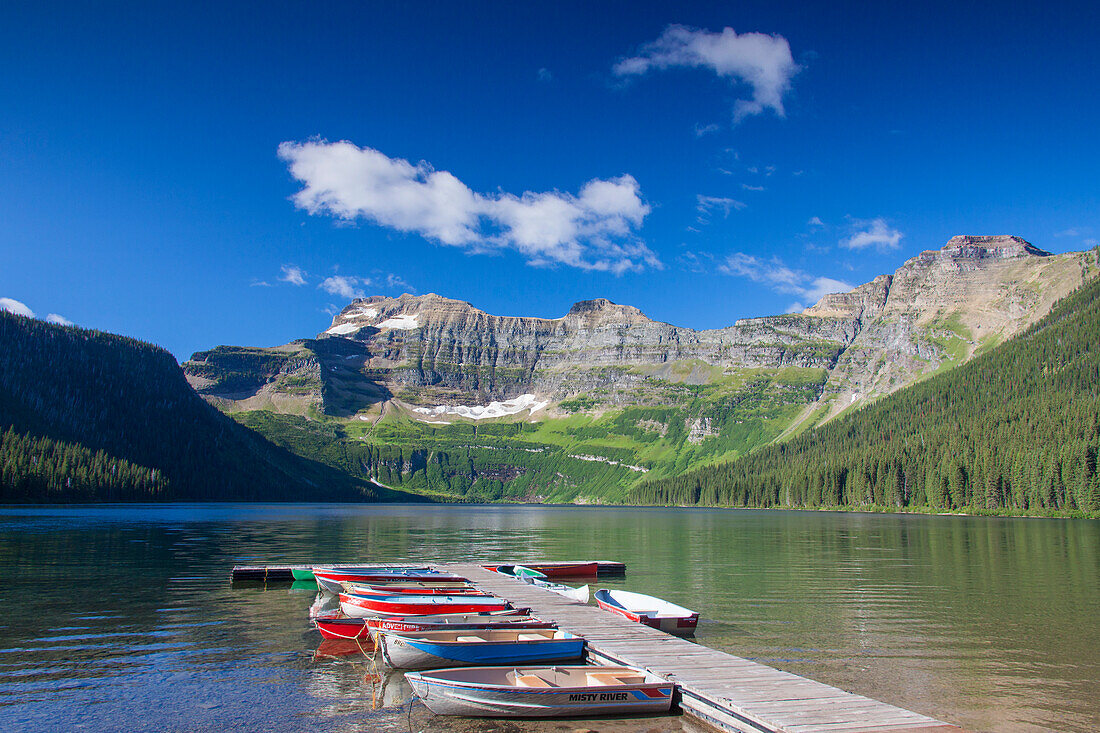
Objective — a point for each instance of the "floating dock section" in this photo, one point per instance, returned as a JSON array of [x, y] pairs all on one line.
[[280, 573], [729, 693]]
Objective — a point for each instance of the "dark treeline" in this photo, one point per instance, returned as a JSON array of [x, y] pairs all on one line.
[[1016, 429], [91, 416]]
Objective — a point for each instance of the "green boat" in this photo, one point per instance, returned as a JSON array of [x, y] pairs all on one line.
[[524, 572], [302, 573]]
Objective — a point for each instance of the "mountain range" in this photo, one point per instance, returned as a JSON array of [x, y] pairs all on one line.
[[435, 395]]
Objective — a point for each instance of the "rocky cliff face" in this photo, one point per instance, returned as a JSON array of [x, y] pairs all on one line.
[[937, 309]]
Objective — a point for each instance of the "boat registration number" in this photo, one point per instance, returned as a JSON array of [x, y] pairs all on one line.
[[597, 696]]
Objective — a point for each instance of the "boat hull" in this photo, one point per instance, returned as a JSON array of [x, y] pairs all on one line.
[[558, 569], [407, 652], [358, 606], [580, 595], [362, 628], [409, 624], [676, 620], [332, 580], [426, 589], [448, 697]]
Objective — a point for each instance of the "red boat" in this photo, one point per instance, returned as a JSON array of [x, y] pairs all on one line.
[[330, 579], [361, 628], [418, 589], [559, 569], [360, 606]]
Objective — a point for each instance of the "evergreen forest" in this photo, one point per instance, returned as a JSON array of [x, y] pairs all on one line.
[[89, 416], [1016, 430]]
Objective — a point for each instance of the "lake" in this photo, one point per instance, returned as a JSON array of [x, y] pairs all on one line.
[[124, 617]]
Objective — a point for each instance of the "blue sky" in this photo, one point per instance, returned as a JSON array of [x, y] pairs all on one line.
[[202, 174]]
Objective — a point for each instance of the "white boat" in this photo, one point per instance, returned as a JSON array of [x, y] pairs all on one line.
[[432, 649], [648, 610], [577, 594], [543, 692]]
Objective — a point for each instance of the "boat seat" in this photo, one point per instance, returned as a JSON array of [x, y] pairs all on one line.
[[469, 638], [611, 678], [532, 680], [530, 637]]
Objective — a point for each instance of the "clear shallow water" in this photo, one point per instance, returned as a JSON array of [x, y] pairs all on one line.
[[124, 618]]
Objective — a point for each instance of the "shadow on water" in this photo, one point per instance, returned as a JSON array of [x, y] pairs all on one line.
[[123, 618]]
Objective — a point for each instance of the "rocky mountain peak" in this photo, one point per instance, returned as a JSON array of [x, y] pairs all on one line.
[[601, 311], [997, 246], [404, 313]]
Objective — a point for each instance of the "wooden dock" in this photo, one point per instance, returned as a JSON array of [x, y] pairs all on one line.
[[280, 573], [729, 693]]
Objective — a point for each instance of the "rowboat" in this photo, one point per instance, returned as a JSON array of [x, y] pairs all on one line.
[[457, 622], [361, 606], [331, 579], [559, 569], [577, 594], [343, 627], [431, 649], [453, 589], [643, 609], [501, 692], [519, 571], [304, 573]]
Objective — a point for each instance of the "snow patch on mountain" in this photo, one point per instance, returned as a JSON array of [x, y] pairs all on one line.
[[484, 412], [344, 329], [404, 323]]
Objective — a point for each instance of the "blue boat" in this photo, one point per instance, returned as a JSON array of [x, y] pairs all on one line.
[[436, 649]]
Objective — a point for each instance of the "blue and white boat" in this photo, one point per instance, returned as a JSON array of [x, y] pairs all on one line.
[[435, 649]]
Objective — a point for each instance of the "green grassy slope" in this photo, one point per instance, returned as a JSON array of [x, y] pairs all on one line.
[[585, 457]]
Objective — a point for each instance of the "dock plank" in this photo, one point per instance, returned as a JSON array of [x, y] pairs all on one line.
[[723, 690]]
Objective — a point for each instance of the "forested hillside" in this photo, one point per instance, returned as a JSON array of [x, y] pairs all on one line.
[[90, 416], [1017, 429]]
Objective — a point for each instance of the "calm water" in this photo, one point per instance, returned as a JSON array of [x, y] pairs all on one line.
[[124, 617]]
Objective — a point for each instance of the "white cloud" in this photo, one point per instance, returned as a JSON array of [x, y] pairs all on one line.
[[545, 75], [593, 230], [396, 282], [701, 130], [760, 60], [293, 275], [696, 261], [875, 233], [705, 205], [815, 221], [346, 286], [259, 284], [1091, 242], [11, 305], [747, 187], [14, 306], [782, 279]]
